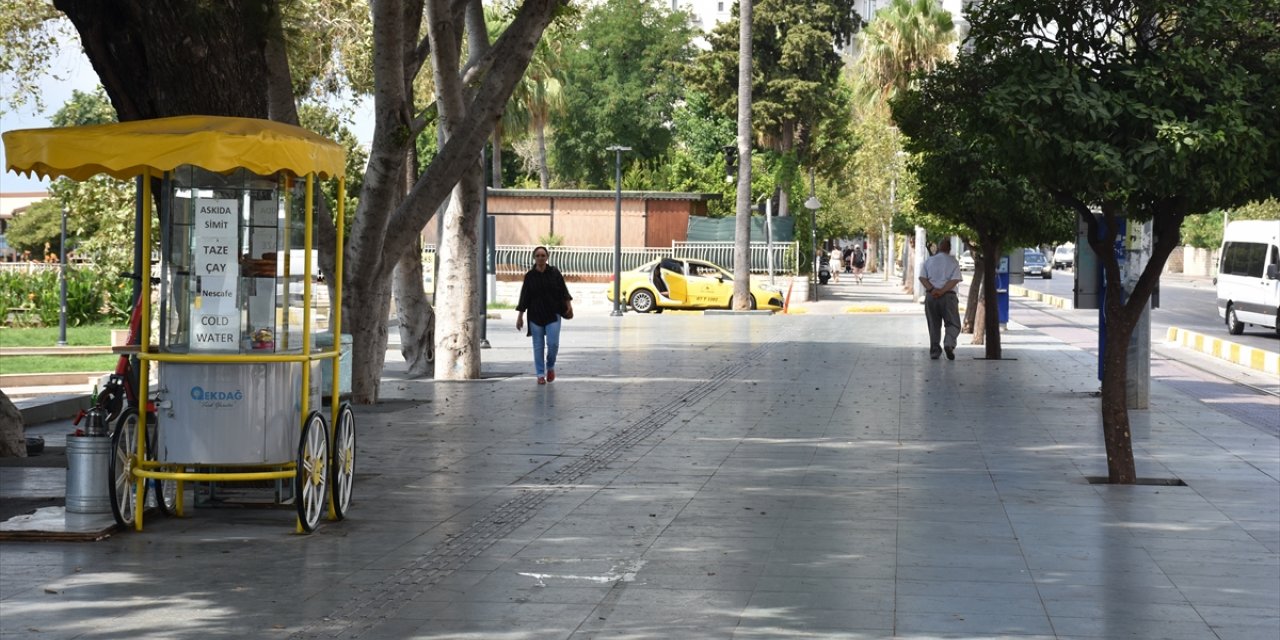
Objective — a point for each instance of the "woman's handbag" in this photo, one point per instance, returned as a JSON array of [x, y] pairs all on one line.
[[567, 313]]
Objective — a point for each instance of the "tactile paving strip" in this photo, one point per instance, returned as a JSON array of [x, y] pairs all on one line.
[[379, 601]]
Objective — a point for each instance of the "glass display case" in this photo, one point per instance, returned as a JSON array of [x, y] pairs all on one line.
[[233, 266]]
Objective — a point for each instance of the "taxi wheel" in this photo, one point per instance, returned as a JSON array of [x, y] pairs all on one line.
[[642, 301]]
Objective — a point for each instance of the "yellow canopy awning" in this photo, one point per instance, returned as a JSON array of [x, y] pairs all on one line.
[[128, 149]]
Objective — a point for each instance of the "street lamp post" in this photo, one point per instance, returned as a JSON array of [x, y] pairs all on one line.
[[813, 205], [62, 295], [617, 231]]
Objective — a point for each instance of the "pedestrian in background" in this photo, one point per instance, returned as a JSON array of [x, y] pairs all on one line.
[[545, 296], [940, 273], [859, 260], [835, 262]]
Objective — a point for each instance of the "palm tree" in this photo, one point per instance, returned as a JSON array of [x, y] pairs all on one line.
[[539, 95], [535, 99], [906, 37]]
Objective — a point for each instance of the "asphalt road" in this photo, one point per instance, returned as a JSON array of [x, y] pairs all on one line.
[[1185, 302]]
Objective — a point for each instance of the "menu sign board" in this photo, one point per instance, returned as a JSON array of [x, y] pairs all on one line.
[[215, 315]]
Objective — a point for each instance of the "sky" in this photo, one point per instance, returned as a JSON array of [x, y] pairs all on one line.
[[77, 74]]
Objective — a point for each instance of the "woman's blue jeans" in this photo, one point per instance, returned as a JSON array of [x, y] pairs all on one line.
[[546, 343]]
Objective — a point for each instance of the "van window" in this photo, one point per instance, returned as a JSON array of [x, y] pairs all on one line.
[[1243, 259]]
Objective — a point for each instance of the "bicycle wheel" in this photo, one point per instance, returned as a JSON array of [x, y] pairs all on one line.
[[312, 478], [343, 459], [165, 492], [124, 448]]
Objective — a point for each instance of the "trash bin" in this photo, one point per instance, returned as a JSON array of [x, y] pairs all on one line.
[[88, 472]]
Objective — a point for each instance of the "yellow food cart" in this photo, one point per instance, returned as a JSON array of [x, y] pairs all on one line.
[[240, 306]]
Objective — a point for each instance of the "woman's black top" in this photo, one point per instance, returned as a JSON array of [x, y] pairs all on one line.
[[543, 295]]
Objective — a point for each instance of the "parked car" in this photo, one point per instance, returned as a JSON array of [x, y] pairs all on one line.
[[1249, 275], [1064, 257], [1035, 264], [966, 261], [680, 283]]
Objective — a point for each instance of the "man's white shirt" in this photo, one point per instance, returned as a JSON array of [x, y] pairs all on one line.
[[940, 268]]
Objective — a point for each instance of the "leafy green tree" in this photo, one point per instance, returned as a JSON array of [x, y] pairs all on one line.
[[697, 162], [1205, 232], [621, 87], [31, 33], [1146, 109], [795, 87], [961, 179], [37, 229]]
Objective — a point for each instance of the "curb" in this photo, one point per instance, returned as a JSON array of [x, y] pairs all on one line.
[[1053, 301], [1251, 357], [51, 408]]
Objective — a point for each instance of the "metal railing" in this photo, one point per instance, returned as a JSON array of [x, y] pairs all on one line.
[[592, 262], [28, 267]]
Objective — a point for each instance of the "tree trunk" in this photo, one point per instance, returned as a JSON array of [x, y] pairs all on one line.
[[417, 318], [173, 57], [991, 306], [1121, 317], [458, 304], [1115, 415], [973, 299], [873, 251], [980, 319], [496, 165], [742, 231], [544, 174], [368, 330], [909, 266], [457, 290], [13, 442]]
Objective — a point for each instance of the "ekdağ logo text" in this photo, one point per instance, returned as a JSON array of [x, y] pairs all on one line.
[[200, 395]]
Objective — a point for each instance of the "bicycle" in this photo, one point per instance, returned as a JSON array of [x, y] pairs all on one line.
[[116, 403]]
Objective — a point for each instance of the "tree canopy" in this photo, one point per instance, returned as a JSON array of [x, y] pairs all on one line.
[[796, 67], [621, 85], [1146, 109]]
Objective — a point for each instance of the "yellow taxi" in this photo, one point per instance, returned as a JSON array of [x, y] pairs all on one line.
[[685, 283]]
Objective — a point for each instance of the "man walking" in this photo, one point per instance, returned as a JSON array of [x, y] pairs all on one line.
[[940, 274]]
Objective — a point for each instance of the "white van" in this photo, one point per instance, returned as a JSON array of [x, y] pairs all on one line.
[[1249, 275]]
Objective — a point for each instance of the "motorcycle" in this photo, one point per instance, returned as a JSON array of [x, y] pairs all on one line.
[[824, 269]]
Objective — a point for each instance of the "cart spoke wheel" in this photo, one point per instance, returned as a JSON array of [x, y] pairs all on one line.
[[124, 448], [343, 459], [311, 480], [165, 491]]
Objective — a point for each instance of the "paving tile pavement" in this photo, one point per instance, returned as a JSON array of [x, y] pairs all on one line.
[[730, 476]]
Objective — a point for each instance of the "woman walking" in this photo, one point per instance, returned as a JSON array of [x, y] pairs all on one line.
[[546, 297]]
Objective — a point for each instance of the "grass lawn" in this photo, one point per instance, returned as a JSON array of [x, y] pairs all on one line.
[[57, 364], [86, 336], [94, 335]]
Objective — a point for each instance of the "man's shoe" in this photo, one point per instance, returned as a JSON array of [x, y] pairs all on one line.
[[951, 353], [934, 356], [551, 375], [542, 380]]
